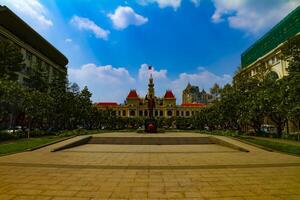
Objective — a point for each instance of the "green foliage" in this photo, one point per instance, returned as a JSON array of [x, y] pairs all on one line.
[[273, 144], [222, 133], [11, 60], [215, 90], [38, 78], [24, 144]]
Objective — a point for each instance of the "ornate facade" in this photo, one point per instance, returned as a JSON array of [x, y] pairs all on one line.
[[136, 106]]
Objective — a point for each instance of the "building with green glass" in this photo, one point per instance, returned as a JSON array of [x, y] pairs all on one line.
[[265, 54], [35, 49]]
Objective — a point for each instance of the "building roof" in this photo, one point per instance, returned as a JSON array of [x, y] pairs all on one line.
[[132, 95], [11, 22], [169, 95], [106, 104], [193, 105], [286, 28]]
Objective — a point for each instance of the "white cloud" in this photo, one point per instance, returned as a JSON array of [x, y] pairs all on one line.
[[125, 16], [86, 24], [196, 2], [108, 83], [252, 16], [32, 9], [144, 72], [162, 3], [68, 40]]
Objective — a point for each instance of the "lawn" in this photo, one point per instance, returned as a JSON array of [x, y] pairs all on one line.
[[20, 145], [274, 145]]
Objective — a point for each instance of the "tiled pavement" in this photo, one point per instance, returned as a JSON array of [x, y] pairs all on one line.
[[150, 172]]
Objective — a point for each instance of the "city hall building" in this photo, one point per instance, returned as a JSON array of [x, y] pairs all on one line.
[[34, 48], [136, 106], [265, 54]]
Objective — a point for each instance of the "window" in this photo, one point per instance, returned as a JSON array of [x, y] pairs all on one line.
[[177, 113], [156, 113], [24, 69], [146, 113], [169, 113], [161, 113], [124, 112], [187, 113], [132, 113], [140, 113], [28, 55], [38, 62]]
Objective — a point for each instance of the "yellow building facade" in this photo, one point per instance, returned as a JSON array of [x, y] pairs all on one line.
[[136, 106]]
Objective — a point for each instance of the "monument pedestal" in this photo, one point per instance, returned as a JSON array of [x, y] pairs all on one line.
[[150, 126]]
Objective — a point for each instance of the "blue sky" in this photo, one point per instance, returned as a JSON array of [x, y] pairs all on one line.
[[110, 42]]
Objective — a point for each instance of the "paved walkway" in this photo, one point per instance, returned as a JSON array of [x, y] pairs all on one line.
[[150, 172]]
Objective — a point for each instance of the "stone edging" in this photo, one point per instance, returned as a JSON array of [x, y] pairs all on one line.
[[78, 142], [51, 143]]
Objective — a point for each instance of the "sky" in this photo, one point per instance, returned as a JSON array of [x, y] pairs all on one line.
[[110, 43]]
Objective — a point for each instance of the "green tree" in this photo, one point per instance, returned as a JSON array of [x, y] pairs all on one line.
[[215, 90], [11, 100], [38, 77], [36, 107], [85, 106], [11, 60], [291, 54]]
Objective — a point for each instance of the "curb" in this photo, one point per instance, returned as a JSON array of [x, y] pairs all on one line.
[[228, 144], [78, 142], [255, 145], [48, 144]]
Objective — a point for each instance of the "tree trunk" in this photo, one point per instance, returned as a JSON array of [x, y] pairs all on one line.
[[29, 127], [279, 129]]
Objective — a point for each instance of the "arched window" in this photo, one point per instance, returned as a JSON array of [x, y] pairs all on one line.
[[161, 113], [272, 76], [146, 113], [169, 113], [132, 113]]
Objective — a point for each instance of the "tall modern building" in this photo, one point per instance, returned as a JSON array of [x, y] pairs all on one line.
[[192, 94], [35, 49], [265, 54]]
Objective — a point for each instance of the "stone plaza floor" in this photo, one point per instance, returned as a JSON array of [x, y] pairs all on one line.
[[94, 171]]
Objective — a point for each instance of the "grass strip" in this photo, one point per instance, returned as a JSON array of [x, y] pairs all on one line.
[[20, 145], [274, 145]]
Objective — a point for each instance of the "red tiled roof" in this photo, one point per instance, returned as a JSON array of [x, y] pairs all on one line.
[[106, 104], [132, 95], [193, 105], [169, 95]]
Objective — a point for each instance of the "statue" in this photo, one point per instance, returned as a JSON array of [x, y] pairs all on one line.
[[150, 123]]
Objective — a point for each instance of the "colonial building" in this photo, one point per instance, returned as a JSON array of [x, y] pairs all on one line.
[[136, 106], [35, 49], [265, 54], [192, 94]]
